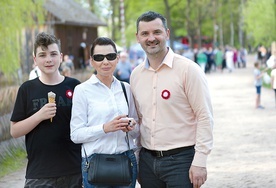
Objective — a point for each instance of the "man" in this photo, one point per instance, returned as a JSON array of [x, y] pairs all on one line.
[[53, 159], [124, 68], [175, 111], [67, 62]]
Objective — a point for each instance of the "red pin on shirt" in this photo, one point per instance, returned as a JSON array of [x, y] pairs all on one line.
[[165, 94], [69, 94]]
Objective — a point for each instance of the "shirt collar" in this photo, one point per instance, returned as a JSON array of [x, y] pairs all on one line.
[[94, 80], [168, 60]]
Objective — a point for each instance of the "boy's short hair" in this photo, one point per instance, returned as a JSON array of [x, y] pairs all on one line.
[[43, 40], [256, 64]]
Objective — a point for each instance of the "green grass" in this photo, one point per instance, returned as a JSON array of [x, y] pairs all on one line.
[[13, 163]]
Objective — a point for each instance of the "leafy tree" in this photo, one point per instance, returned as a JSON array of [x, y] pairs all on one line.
[[15, 16], [134, 9], [227, 21], [260, 21]]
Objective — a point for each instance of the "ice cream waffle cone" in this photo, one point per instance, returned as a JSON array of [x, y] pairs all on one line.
[[51, 99]]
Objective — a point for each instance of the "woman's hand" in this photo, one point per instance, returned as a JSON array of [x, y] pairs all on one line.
[[131, 125], [120, 122]]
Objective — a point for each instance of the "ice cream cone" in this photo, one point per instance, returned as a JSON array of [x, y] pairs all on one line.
[[51, 99]]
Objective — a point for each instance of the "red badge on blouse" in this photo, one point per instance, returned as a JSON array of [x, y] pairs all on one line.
[[165, 94], [69, 94]]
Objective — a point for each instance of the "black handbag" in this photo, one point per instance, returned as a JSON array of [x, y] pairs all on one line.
[[110, 169]]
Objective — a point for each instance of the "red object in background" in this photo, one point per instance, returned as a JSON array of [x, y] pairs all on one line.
[[205, 41], [184, 40]]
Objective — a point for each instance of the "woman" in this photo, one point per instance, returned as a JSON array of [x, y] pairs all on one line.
[[99, 109]]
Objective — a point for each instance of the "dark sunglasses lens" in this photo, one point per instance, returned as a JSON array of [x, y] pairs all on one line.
[[98, 57], [111, 56]]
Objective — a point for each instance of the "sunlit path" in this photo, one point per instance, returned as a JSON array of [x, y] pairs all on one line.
[[245, 142]]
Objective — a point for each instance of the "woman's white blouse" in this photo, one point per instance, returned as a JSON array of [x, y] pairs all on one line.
[[94, 104]]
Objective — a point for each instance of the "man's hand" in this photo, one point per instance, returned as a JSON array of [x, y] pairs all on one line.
[[198, 175]]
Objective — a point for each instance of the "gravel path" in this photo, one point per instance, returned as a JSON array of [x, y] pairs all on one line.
[[244, 137], [244, 154]]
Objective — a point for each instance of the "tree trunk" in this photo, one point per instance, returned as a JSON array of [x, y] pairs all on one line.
[[215, 26], [232, 34], [241, 24], [188, 23], [113, 31], [198, 29], [168, 16], [221, 42]]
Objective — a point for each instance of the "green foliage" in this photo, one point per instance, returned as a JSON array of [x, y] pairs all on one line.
[[15, 16], [260, 20], [14, 162], [188, 16]]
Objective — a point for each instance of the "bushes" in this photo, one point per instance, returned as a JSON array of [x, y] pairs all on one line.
[[10, 149], [7, 98], [12, 155]]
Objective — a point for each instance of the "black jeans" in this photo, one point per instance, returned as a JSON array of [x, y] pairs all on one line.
[[165, 172]]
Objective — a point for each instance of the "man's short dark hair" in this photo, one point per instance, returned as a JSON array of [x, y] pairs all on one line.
[[149, 16], [43, 40]]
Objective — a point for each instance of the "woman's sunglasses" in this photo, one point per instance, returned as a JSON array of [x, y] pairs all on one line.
[[100, 57]]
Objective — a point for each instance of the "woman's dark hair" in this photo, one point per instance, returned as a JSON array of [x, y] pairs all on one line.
[[43, 40], [149, 16], [102, 41]]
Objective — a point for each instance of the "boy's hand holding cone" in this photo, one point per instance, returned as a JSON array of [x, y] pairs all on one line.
[[51, 99]]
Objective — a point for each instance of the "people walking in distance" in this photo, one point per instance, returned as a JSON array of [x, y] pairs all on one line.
[[229, 56], [53, 159], [67, 62], [210, 60], [262, 55], [242, 58], [258, 82], [82, 55], [189, 54], [174, 106], [201, 59], [124, 68], [66, 71], [219, 56], [99, 122]]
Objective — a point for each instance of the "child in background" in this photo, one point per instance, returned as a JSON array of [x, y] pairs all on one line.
[[258, 74]]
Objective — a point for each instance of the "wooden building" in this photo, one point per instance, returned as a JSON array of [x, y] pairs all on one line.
[[75, 26]]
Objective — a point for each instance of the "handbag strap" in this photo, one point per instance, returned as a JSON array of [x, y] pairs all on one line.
[[124, 90], [127, 139]]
